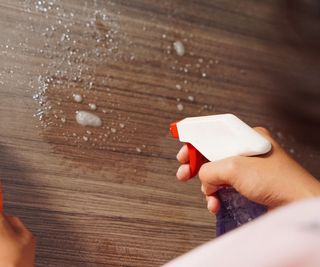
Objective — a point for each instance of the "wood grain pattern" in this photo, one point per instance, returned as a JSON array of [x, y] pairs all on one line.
[[110, 205]]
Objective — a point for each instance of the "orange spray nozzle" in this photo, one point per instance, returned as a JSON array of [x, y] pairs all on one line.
[[174, 130]]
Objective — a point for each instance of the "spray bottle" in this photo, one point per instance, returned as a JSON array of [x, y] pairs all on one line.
[[217, 137]]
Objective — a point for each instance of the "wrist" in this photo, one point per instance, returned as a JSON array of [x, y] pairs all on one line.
[[317, 189], [312, 190]]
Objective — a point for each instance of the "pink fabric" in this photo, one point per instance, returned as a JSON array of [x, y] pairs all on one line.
[[286, 237]]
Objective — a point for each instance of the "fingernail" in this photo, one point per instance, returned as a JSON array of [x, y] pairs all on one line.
[[202, 189], [183, 172]]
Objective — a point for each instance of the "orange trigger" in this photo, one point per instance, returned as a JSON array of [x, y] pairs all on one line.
[[195, 160]]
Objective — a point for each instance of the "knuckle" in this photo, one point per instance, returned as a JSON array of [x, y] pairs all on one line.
[[203, 172], [232, 165]]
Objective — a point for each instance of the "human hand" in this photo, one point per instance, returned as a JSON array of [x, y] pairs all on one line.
[[272, 179], [17, 246]]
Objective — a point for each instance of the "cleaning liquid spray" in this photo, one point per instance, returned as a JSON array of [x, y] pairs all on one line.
[[214, 138]]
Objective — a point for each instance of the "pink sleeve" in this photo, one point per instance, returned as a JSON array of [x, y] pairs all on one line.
[[286, 237]]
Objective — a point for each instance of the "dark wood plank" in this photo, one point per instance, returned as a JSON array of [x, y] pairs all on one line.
[[114, 201]]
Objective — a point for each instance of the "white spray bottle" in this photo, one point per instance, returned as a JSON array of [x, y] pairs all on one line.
[[217, 137]]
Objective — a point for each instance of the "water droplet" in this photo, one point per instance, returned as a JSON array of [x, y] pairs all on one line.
[[92, 106], [180, 106], [85, 118], [179, 47], [77, 98]]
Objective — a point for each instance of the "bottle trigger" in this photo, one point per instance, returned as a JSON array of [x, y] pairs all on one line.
[[195, 160]]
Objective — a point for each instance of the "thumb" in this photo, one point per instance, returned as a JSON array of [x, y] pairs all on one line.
[[267, 135]]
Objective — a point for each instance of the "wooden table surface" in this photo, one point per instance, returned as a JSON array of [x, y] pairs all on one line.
[[109, 197]]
